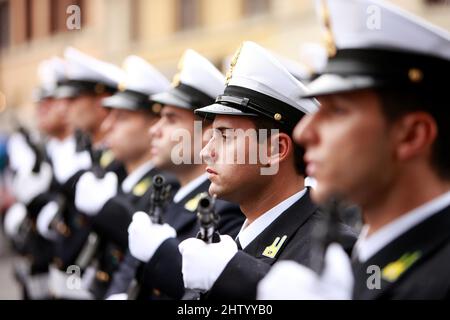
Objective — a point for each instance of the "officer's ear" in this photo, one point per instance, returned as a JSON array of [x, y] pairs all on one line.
[[281, 147], [414, 134]]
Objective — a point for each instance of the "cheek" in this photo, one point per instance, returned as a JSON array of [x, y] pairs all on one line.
[[140, 136], [56, 113], [239, 179], [355, 155], [77, 112], [114, 138], [225, 152], [166, 143]]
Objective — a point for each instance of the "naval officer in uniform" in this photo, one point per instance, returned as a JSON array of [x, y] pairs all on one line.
[[380, 140], [260, 96]]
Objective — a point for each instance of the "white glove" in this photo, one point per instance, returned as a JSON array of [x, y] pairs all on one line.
[[118, 296], [145, 237], [14, 217], [288, 280], [21, 156], [44, 218], [92, 193], [27, 184], [67, 164], [203, 263]]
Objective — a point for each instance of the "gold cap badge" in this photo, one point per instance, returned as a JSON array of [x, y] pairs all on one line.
[[233, 64], [180, 66], [328, 33]]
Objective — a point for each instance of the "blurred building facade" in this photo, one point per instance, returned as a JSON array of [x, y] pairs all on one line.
[[158, 30]]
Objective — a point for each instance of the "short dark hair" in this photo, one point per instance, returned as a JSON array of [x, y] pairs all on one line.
[[399, 102], [299, 151]]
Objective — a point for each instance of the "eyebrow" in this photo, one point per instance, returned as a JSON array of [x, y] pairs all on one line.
[[222, 128], [169, 114]]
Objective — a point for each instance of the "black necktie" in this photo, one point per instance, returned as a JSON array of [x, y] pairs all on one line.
[[238, 243]]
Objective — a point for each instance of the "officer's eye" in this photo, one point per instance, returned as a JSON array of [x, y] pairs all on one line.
[[227, 134], [223, 133], [169, 118], [337, 109]]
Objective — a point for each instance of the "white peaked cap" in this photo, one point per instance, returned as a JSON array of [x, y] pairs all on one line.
[[197, 83], [314, 56], [295, 68], [374, 44], [142, 77], [199, 73], [257, 75], [50, 72], [83, 67], [257, 69], [140, 81], [379, 24]]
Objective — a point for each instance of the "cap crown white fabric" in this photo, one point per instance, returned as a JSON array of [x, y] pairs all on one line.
[[378, 24], [297, 69], [81, 66], [198, 72], [50, 71], [314, 56], [256, 69], [142, 77]]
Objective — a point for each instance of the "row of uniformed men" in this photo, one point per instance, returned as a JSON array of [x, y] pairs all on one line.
[[379, 139]]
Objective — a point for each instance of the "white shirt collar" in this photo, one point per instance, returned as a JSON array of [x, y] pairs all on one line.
[[188, 188], [132, 179], [367, 246], [250, 231]]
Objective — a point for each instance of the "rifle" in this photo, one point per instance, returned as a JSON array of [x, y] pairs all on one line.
[[91, 247], [28, 225], [84, 143], [327, 232], [208, 219], [158, 199], [37, 152]]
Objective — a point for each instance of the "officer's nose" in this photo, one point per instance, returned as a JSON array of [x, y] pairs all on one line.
[[208, 153], [304, 132], [155, 130], [108, 124]]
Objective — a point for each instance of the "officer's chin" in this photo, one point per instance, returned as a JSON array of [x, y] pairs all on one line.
[[321, 194], [215, 189]]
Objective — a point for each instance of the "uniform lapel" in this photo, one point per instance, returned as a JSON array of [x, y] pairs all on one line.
[[142, 186], [273, 240], [402, 255]]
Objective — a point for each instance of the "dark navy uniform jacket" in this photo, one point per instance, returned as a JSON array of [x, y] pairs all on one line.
[[161, 277], [296, 225], [416, 265]]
